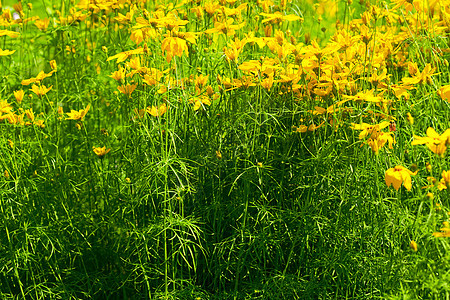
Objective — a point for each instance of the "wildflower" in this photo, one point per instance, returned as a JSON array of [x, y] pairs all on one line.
[[118, 75], [413, 245], [365, 96], [410, 118], [78, 115], [444, 183], [435, 142], [444, 92], [101, 151], [19, 95], [225, 27], [401, 91], [157, 112], [125, 55], [378, 140], [218, 155], [42, 24], [41, 76], [368, 128], [6, 173], [12, 34], [53, 65], [278, 17], [5, 107], [200, 101], [40, 90], [398, 175], [127, 89], [6, 52], [174, 46], [428, 167], [445, 231], [422, 77]]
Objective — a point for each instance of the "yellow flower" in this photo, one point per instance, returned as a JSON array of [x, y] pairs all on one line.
[[376, 143], [157, 112], [200, 101], [12, 34], [225, 27], [368, 128], [122, 56], [422, 77], [174, 46], [127, 89], [53, 65], [445, 231], [410, 118], [413, 245], [40, 90], [444, 92], [278, 17], [78, 115], [19, 95], [435, 142], [118, 75], [42, 24], [445, 180], [6, 52], [101, 151], [398, 175], [41, 76]]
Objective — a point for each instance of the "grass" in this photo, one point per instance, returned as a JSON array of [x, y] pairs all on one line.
[[229, 170]]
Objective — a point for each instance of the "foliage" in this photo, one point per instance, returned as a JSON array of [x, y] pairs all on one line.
[[224, 149]]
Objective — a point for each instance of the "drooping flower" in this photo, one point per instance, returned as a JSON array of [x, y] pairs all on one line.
[[40, 90], [278, 17], [42, 24], [127, 89], [413, 246], [12, 34], [122, 56], [378, 142], [398, 175], [368, 128], [53, 65], [157, 111], [19, 95], [174, 46], [6, 52], [41, 76], [444, 183], [410, 118], [101, 151], [444, 92], [422, 77], [78, 115], [445, 231], [225, 27], [435, 142], [118, 75]]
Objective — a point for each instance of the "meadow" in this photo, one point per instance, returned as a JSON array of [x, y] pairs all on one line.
[[225, 149]]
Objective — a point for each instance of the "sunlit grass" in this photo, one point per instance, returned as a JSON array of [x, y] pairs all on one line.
[[224, 149]]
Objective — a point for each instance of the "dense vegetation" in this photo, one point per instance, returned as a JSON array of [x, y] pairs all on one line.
[[224, 149]]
